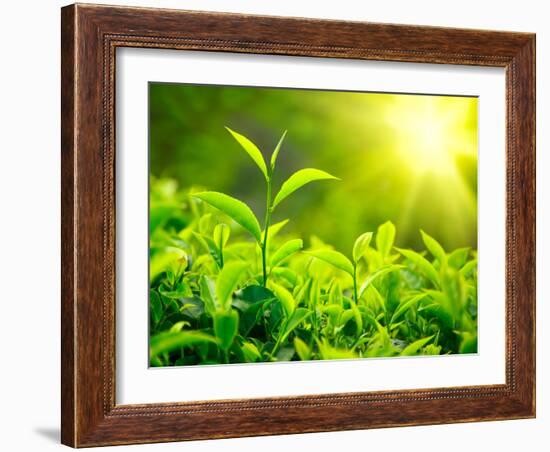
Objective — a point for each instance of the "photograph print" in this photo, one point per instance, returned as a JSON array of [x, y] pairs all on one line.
[[297, 225]]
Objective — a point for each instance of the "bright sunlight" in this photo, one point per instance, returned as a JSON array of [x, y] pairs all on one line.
[[430, 131]]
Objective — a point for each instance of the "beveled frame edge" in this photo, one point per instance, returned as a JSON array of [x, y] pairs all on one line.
[[90, 35]]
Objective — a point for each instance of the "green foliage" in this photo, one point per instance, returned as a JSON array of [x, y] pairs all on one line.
[[385, 238], [302, 349], [224, 290], [361, 246], [286, 250], [422, 264], [167, 341], [235, 209], [412, 349], [226, 325], [221, 235], [276, 151], [334, 258], [228, 278], [298, 180], [434, 247], [242, 214], [252, 151]]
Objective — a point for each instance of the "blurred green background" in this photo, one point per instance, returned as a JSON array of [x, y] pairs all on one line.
[[411, 159]]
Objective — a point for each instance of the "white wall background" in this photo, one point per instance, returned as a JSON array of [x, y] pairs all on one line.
[[29, 225]]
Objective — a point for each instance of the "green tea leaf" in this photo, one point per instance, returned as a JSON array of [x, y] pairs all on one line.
[[167, 341], [357, 317], [251, 352], [276, 151], [155, 307], [273, 312], [454, 288], [285, 297], [302, 349], [468, 342], [285, 354], [385, 236], [459, 257], [434, 247], [166, 259], [335, 295], [298, 316], [299, 179], [254, 293], [249, 301], [314, 295], [156, 361], [209, 245], [207, 290], [422, 263], [377, 274], [334, 258], [405, 306], [381, 344], [234, 208], [329, 352], [227, 282], [206, 223], [274, 229], [192, 307], [346, 316], [288, 274], [180, 291], [361, 245], [468, 267], [221, 234], [286, 250], [412, 349], [178, 326], [226, 325], [440, 310], [250, 315], [333, 311], [252, 150], [431, 349]]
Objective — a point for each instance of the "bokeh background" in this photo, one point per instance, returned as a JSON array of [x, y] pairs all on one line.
[[411, 159]]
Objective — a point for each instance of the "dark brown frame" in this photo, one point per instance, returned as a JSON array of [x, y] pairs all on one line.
[[90, 35]]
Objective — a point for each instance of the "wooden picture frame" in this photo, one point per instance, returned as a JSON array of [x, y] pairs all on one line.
[[90, 36]]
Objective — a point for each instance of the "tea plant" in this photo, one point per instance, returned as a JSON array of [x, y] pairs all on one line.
[[243, 215], [218, 297]]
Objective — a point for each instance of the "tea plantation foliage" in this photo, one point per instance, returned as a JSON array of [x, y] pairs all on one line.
[[225, 288]]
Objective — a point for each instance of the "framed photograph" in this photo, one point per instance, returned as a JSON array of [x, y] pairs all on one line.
[[282, 225]]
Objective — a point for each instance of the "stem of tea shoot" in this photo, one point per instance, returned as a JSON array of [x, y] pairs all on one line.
[[268, 209]]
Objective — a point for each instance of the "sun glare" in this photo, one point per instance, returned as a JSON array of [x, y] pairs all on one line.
[[429, 131]]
